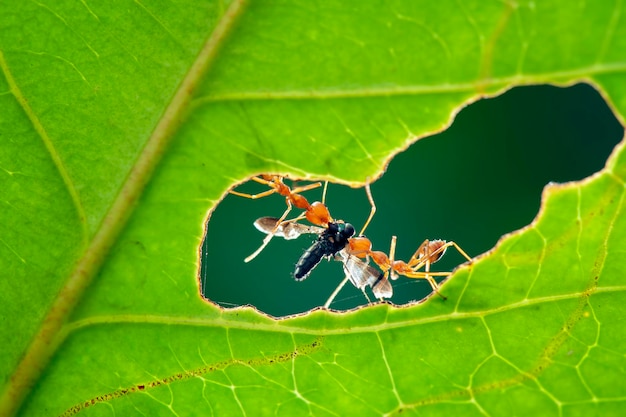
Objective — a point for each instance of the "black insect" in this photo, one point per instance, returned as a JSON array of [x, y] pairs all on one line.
[[356, 270], [332, 240]]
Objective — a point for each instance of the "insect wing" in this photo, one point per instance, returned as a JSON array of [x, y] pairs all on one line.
[[358, 271], [287, 230], [382, 289]]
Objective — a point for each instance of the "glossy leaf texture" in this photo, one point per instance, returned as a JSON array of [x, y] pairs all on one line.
[[123, 124]]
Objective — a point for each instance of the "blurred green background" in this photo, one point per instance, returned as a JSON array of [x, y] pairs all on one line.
[[476, 181]]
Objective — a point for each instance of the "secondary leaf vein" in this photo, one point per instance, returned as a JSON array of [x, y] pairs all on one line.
[[43, 134]]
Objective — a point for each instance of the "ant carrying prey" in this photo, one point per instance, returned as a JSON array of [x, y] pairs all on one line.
[[331, 242], [336, 239]]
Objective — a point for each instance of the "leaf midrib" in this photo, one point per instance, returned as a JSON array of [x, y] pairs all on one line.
[[50, 335]]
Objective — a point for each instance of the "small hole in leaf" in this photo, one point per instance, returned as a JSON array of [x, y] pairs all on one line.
[[472, 183]]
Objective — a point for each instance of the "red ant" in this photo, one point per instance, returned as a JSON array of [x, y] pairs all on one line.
[[429, 252], [316, 213]]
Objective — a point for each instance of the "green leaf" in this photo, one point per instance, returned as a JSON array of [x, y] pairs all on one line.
[[123, 124]]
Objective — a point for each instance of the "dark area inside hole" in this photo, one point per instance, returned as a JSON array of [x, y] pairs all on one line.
[[473, 183]]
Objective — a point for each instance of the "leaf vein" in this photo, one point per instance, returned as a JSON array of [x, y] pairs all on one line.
[[43, 134], [51, 332]]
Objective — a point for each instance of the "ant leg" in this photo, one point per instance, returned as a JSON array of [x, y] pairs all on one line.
[[304, 188], [412, 272], [253, 196], [365, 295], [266, 240], [429, 278], [372, 211], [295, 219], [418, 255], [423, 254], [339, 287], [429, 275], [392, 254], [264, 181], [461, 251], [334, 294], [271, 184], [418, 261], [422, 274]]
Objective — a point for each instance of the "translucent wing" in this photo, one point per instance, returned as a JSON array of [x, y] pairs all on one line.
[[362, 274], [287, 229], [382, 289]]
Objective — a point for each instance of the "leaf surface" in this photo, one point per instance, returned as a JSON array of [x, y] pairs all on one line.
[[100, 100]]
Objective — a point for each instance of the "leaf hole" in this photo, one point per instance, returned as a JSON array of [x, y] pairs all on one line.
[[473, 183]]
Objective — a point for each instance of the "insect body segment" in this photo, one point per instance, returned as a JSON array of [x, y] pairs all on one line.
[[331, 240]]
